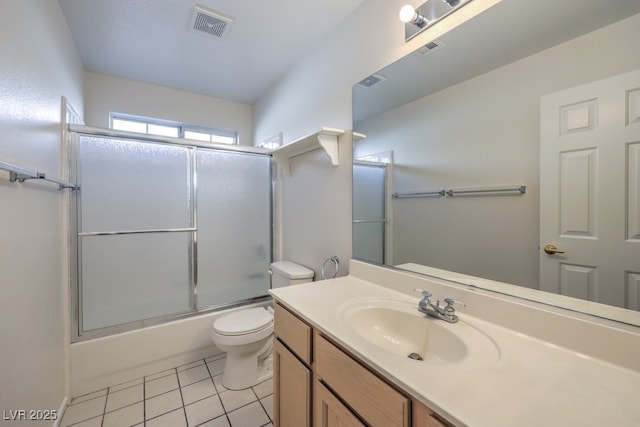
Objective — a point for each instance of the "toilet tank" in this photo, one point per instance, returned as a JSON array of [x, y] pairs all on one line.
[[285, 273]]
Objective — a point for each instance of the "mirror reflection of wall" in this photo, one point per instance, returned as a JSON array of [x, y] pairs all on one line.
[[483, 132]]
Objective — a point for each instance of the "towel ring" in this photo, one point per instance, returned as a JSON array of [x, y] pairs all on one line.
[[336, 263]]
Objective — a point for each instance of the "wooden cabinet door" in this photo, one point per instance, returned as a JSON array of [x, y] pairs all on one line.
[[424, 417], [330, 412], [292, 389]]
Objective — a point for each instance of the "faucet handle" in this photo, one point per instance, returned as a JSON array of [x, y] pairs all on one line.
[[450, 301], [423, 292]]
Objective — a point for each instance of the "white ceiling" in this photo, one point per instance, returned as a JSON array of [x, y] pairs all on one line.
[[152, 41]]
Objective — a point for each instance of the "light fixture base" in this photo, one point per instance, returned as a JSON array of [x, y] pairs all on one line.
[[432, 11]]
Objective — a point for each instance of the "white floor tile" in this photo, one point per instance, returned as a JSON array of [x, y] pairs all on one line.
[[190, 365], [160, 374], [162, 404], [232, 399], [265, 388], [217, 381], [203, 410], [216, 357], [84, 410], [193, 375], [161, 385], [127, 416], [172, 419], [93, 422], [88, 396], [124, 397], [204, 398], [198, 391], [221, 421], [125, 385], [216, 367], [251, 415], [267, 403]]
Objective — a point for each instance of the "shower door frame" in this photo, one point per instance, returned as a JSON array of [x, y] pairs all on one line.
[[75, 264]]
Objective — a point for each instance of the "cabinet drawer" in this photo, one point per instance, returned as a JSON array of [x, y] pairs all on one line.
[[293, 332], [377, 403]]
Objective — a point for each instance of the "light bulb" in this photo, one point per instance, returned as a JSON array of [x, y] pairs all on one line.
[[407, 13]]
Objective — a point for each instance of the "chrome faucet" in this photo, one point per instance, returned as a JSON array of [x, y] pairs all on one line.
[[446, 313]]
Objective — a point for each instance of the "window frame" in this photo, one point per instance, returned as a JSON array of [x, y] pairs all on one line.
[[180, 126]]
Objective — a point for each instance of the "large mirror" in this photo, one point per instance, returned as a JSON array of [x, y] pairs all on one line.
[[516, 132]]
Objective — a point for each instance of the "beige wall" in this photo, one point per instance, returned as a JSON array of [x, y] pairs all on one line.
[[36, 69], [106, 94]]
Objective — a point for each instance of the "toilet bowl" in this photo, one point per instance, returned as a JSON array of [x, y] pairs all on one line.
[[246, 334]]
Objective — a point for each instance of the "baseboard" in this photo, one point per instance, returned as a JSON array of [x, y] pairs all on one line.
[[61, 409]]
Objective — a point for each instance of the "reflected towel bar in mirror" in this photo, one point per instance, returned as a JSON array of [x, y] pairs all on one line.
[[515, 190], [439, 193]]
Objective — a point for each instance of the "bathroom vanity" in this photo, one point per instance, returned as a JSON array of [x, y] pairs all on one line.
[[341, 358], [306, 390]]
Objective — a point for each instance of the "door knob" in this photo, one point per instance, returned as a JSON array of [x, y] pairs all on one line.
[[551, 250]]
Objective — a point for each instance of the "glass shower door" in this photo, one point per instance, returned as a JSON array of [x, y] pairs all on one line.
[[234, 223], [369, 213], [135, 230]]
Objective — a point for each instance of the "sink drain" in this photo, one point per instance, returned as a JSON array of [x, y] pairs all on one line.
[[415, 356]]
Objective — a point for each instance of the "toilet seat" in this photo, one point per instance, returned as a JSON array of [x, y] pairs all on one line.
[[243, 322]]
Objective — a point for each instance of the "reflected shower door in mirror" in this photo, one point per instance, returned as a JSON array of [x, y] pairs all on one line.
[[369, 210], [476, 113]]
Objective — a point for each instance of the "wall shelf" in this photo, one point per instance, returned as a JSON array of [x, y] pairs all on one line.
[[325, 138]]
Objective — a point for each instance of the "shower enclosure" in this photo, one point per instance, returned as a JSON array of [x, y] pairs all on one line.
[[370, 222], [164, 229]]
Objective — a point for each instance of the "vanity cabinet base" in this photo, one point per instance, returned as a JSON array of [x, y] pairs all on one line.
[[318, 383]]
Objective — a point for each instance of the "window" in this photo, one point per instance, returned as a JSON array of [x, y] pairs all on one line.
[[173, 129]]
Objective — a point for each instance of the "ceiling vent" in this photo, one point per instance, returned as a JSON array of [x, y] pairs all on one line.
[[211, 22], [430, 47], [371, 80]]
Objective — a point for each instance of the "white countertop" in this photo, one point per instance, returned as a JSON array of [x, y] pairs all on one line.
[[532, 382]]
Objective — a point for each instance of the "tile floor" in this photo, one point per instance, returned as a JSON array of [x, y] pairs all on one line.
[[186, 396]]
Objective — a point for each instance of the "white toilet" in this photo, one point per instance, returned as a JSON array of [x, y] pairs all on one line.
[[246, 334]]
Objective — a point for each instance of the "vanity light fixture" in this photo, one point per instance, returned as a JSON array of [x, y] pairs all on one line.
[[408, 14], [416, 20]]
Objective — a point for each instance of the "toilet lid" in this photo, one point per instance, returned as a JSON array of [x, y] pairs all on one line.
[[243, 321]]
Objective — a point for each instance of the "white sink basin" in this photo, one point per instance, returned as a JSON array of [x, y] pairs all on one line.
[[398, 328]]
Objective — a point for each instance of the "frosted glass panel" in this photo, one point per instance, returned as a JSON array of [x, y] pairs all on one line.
[[130, 185], [368, 241], [133, 277], [369, 205], [234, 222], [368, 192]]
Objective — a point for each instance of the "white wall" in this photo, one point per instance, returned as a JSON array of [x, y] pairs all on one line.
[[316, 210], [106, 94], [36, 69], [316, 93], [485, 131]]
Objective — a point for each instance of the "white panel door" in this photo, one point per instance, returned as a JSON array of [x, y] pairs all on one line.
[[590, 191]]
